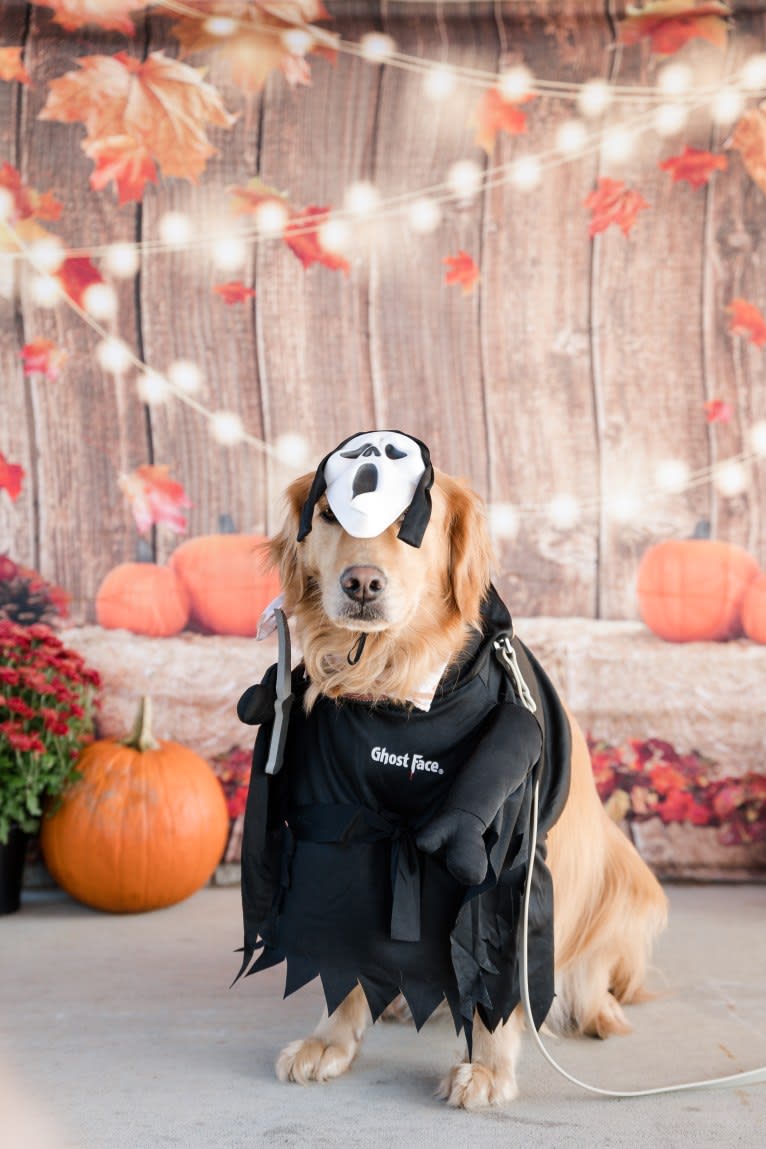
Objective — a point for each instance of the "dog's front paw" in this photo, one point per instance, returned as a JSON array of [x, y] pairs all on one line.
[[473, 1086], [313, 1059]]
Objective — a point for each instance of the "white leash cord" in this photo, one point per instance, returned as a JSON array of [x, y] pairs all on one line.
[[749, 1077]]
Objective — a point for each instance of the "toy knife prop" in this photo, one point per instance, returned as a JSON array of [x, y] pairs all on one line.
[[284, 699]]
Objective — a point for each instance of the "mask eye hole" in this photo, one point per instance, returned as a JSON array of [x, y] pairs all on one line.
[[393, 452], [327, 515]]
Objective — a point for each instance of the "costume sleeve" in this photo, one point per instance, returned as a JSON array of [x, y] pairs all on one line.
[[506, 753]]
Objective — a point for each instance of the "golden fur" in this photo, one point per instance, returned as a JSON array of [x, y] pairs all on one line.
[[608, 905]]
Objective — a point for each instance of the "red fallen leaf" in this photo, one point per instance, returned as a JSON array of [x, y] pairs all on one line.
[[11, 476], [234, 292], [462, 272], [694, 165], [155, 498], [76, 275], [301, 236], [43, 356], [749, 139], [716, 411], [124, 160], [613, 203], [12, 68], [669, 24], [747, 320], [496, 114], [109, 14]]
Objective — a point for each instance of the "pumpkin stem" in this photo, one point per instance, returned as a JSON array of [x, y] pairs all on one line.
[[226, 525], [144, 552], [141, 737]]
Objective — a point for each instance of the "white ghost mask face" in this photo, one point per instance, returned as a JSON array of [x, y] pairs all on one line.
[[371, 481]]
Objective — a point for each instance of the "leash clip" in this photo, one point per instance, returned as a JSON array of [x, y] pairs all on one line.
[[507, 655]]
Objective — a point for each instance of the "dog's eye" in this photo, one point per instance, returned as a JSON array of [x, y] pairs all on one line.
[[327, 515]]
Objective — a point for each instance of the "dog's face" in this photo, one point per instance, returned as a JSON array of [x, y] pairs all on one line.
[[382, 583]]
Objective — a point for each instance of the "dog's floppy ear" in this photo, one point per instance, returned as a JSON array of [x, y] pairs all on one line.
[[284, 546], [470, 547]]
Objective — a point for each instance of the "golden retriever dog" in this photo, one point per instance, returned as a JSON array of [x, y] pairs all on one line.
[[608, 905]]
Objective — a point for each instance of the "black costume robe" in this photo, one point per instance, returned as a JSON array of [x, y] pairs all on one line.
[[332, 879]]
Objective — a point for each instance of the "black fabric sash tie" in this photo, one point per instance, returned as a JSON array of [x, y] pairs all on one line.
[[346, 825]]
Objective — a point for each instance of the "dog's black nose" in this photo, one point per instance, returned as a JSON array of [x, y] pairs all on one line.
[[363, 584]]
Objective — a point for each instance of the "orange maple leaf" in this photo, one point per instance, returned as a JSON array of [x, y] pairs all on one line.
[[256, 48], [44, 357], [669, 24], [717, 411], [124, 160], [234, 292], [613, 203], [749, 139], [496, 114], [11, 476], [253, 195], [747, 320], [155, 498], [76, 274], [110, 14], [11, 66], [462, 272], [27, 202], [162, 104], [302, 237], [694, 165]]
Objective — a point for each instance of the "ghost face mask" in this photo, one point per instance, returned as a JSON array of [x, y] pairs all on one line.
[[372, 479]]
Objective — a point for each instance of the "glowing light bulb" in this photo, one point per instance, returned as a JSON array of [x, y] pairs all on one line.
[[439, 82], [122, 260], [571, 137], [753, 74], [377, 47], [7, 204], [361, 199], [617, 144], [464, 178], [526, 173], [516, 83], [334, 235], [153, 388], [758, 437], [227, 428], [623, 506], [113, 355], [594, 98], [669, 119], [48, 254], [672, 475], [730, 479], [564, 511], [186, 376], [292, 449], [503, 519], [229, 252], [675, 79], [220, 26], [728, 104], [175, 228], [424, 215], [271, 217], [298, 41], [100, 301], [45, 290]]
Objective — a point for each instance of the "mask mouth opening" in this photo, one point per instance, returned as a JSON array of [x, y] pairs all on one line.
[[365, 480]]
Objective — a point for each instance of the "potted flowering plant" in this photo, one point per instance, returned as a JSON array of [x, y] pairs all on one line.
[[47, 696]]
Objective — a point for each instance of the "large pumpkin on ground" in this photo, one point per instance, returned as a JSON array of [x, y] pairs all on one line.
[[691, 590], [228, 579], [144, 827], [143, 598], [754, 610]]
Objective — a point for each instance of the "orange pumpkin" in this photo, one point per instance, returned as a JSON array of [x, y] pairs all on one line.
[[143, 598], [691, 590], [144, 827], [754, 610], [228, 579]]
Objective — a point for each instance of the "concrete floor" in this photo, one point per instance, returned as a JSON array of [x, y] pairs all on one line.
[[121, 1032]]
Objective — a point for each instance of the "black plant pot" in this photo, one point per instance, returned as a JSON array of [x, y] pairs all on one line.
[[12, 854]]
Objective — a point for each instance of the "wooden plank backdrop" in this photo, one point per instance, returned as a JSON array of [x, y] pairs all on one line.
[[577, 367]]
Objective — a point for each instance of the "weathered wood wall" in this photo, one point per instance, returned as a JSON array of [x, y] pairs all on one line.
[[577, 366]]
